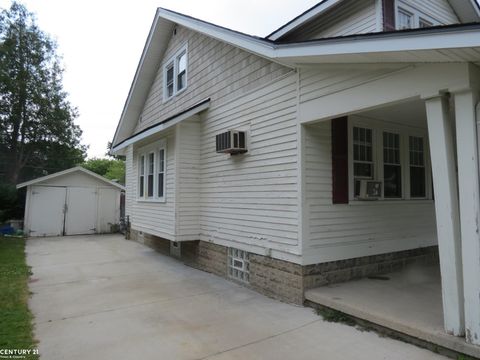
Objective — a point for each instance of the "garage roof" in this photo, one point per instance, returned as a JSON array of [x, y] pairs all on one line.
[[68, 171]]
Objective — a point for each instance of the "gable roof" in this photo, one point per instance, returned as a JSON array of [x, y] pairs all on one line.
[[436, 44], [69, 171], [467, 10]]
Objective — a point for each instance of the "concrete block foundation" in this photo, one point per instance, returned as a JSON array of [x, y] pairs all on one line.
[[283, 280]]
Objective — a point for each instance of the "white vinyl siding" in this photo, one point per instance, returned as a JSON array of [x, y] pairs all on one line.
[[360, 228], [352, 17], [214, 69], [250, 201], [156, 217]]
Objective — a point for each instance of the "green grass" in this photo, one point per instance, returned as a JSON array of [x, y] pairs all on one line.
[[15, 318]]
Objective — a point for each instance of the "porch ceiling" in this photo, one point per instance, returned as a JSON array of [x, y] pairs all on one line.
[[412, 113]]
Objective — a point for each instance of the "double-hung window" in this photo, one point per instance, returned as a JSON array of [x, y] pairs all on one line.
[[392, 167], [152, 165], [417, 167], [362, 156], [398, 158], [175, 74], [161, 173]]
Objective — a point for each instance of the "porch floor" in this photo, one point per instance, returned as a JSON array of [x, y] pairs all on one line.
[[409, 302]]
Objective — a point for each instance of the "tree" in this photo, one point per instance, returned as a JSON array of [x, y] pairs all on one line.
[[111, 169], [37, 131]]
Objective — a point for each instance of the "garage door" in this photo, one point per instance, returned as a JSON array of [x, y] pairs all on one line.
[[81, 214], [46, 211], [56, 211]]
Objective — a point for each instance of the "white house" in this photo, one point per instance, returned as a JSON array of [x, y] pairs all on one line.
[[75, 201], [347, 127]]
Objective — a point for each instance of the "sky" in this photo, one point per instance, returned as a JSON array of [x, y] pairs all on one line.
[[101, 42]]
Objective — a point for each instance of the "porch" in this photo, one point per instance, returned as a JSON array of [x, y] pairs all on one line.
[[410, 133], [408, 302]]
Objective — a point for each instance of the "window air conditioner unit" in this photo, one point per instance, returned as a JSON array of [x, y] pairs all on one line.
[[232, 142], [370, 190]]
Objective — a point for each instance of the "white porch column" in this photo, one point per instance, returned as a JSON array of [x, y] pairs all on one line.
[[447, 213], [468, 184]]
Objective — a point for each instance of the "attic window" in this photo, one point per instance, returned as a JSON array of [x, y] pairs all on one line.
[[175, 74], [409, 17]]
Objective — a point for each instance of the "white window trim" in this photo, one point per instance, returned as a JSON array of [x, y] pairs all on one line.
[[378, 127], [145, 151], [174, 60], [417, 15]]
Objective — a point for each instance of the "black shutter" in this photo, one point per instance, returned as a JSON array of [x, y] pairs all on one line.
[[340, 160], [388, 15]]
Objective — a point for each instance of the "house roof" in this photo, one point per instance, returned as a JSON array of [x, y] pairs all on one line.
[[467, 11], [437, 44], [69, 171]]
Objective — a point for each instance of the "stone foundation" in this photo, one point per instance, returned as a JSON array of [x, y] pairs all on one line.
[[284, 280]]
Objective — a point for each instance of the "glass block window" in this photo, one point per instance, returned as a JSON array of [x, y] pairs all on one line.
[[392, 168], [362, 156], [238, 265], [417, 167]]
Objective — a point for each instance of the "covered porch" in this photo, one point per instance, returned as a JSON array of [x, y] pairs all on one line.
[[408, 302], [395, 108]]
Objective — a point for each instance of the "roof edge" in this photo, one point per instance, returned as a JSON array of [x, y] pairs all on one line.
[[68, 171]]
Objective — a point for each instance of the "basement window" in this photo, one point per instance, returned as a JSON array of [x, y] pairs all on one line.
[[175, 74], [239, 265]]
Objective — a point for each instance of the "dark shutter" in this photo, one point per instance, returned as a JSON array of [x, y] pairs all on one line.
[[388, 15], [340, 160]]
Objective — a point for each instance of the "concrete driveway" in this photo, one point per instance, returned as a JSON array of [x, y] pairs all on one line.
[[102, 297]]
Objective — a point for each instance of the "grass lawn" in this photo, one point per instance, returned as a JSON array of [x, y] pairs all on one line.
[[15, 317]]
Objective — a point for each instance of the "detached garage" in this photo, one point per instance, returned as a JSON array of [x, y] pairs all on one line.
[[71, 202]]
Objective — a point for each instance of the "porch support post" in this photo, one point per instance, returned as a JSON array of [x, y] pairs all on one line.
[[469, 187], [447, 212]]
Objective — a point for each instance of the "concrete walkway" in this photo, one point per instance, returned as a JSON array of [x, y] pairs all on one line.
[[102, 297]]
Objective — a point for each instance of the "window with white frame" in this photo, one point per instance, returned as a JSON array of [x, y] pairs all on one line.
[[151, 172], [175, 74], [238, 264], [397, 158], [362, 156], [408, 17], [141, 176], [417, 167], [161, 173], [392, 166]]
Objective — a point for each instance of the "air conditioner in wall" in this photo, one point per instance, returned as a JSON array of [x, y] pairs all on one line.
[[370, 190], [232, 142]]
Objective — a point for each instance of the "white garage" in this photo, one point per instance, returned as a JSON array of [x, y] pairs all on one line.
[[71, 202]]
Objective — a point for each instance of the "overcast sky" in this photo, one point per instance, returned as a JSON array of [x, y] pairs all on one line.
[[101, 42]]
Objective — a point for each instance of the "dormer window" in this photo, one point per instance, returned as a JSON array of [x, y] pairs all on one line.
[[175, 74], [410, 18]]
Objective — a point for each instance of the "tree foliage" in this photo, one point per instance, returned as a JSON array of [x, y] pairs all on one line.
[[37, 131], [111, 169]]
